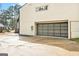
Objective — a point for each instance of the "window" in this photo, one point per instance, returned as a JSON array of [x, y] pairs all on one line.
[[53, 29]]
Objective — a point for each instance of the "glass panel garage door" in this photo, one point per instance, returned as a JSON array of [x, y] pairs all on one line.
[[55, 29]]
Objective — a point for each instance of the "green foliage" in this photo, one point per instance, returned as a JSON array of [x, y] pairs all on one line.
[[11, 14]]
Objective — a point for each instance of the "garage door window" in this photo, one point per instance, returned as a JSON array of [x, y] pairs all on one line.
[[55, 29]]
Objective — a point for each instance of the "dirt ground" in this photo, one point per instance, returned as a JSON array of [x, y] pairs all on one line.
[[63, 43]]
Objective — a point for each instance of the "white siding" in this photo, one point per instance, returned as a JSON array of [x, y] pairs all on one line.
[[56, 11], [75, 29]]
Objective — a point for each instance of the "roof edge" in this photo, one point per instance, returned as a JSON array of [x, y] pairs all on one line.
[[24, 5]]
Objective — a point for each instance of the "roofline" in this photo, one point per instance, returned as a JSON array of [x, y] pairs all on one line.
[[23, 5]]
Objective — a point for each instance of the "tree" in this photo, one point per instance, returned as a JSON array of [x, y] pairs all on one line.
[[10, 16], [3, 17], [14, 14]]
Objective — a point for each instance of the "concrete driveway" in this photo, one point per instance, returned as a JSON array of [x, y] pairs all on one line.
[[27, 46], [62, 43]]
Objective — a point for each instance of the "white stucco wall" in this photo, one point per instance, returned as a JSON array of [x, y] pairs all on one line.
[[58, 11]]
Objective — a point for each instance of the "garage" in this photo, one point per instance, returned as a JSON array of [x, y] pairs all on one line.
[[53, 29]]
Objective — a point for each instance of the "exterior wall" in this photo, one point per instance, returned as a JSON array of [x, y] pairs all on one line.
[[74, 29], [69, 30], [55, 12]]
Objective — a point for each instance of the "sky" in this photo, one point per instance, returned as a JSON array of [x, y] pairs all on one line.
[[5, 5]]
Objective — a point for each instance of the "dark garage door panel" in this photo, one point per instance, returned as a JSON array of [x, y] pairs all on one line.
[[53, 29]]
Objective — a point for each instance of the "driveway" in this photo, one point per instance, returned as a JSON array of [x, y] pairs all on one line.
[[62, 43], [14, 45]]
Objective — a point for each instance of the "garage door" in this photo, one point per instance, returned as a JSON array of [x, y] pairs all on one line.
[[53, 29]]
